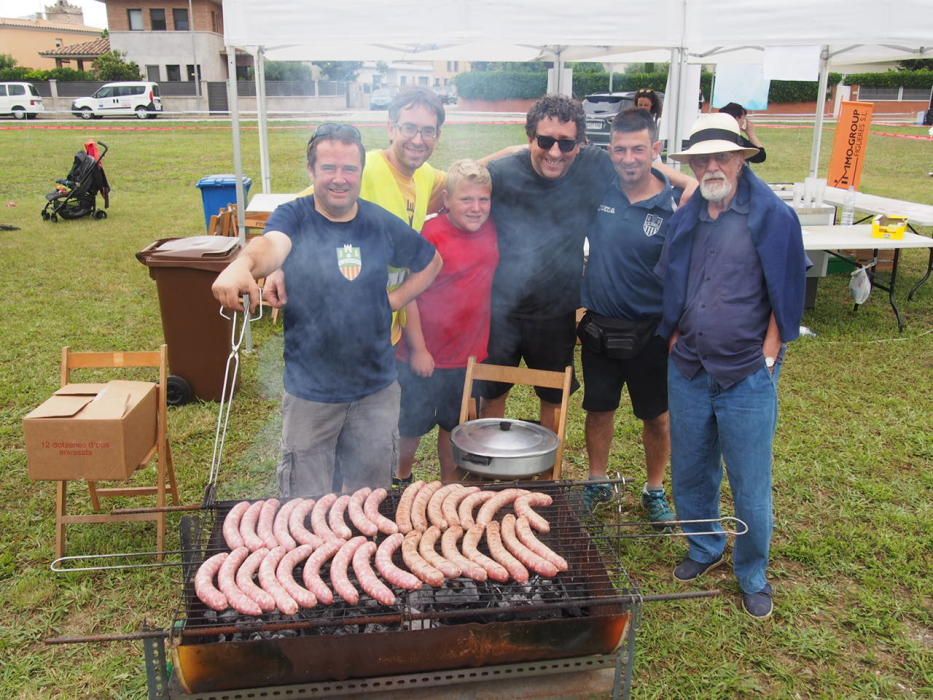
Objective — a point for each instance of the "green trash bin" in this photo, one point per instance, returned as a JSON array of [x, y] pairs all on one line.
[[198, 337]]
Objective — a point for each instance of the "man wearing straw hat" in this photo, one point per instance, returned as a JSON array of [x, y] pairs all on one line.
[[733, 270]]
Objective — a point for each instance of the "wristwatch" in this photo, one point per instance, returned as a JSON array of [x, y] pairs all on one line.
[[769, 362]]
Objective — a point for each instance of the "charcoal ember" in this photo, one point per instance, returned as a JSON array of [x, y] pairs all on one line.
[[344, 630], [229, 616], [210, 615], [376, 628], [457, 593], [285, 634], [421, 599]]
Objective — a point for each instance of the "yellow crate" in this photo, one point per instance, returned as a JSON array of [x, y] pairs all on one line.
[[891, 227]]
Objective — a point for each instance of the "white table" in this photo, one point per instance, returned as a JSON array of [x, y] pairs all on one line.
[[917, 214], [262, 205], [858, 237]]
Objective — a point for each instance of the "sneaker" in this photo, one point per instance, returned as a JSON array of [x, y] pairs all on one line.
[[654, 501], [594, 494], [690, 570], [759, 605], [402, 483]]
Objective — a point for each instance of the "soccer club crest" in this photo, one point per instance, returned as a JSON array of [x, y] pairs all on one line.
[[652, 224], [350, 261]]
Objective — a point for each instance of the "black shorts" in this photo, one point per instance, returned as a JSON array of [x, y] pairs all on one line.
[[429, 401], [645, 374], [544, 343]]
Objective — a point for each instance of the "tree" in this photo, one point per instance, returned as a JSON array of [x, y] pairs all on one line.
[[915, 64], [7, 61], [287, 70], [113, 66], [345, 71]]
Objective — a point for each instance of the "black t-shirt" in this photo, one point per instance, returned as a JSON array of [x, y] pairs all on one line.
[[337, 340], [542, 224]]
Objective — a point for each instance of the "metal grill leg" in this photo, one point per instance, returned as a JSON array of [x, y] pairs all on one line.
[[156, 671], [625, 659]]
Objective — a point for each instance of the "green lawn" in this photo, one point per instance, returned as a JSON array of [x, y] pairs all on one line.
[[851, 554]]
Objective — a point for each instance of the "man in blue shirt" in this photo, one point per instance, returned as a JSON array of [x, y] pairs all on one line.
[[734, 272], [622, 295], [341, 404]]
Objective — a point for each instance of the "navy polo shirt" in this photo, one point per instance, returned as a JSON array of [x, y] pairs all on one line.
[[626, 241], [727, 311]]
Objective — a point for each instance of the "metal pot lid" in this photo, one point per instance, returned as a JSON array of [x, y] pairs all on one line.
[[503, 437]]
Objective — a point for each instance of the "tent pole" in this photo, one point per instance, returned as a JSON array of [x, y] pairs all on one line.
[[263, 121], [820, 111]]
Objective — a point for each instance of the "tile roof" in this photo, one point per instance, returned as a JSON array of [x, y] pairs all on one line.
[[86, 48]]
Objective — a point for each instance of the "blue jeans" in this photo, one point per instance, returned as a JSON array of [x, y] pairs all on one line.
[[710, 425]]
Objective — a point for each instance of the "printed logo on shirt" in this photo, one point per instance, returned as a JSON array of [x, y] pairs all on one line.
[[603, 209], [350, 261], [652, 224]]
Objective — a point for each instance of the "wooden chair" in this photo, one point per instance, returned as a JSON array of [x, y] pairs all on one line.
[[521, 375], [165, 468], [225, 222]]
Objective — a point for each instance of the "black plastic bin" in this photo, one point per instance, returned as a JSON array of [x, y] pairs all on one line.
[[198, 337]]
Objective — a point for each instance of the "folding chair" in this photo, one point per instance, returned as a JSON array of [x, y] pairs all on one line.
[[521, 375], [165, 469]]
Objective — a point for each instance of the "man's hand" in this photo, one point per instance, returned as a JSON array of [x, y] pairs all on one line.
[[233, 282], [689, 190], [672, 341], [422, 363], [772, 345], [273, 293]]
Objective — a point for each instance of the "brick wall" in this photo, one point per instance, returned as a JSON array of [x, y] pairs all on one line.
[[118, 20]]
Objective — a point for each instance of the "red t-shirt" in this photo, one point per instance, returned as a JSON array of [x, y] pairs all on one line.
[[455, 310]]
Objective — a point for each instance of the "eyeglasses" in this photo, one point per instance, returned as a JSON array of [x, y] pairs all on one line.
[[335, 130], [547, 143], [409, 131], [703, 161]]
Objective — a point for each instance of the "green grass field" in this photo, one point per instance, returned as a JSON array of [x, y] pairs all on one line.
[[851, 556]]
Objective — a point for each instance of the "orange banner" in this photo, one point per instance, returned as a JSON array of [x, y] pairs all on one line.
[[848, 159]]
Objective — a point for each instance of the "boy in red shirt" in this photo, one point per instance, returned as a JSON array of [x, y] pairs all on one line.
[[455, 313]]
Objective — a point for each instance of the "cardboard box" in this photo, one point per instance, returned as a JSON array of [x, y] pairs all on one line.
[[91, 431]]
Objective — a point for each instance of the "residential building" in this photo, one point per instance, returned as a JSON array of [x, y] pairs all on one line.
[[23, 39]]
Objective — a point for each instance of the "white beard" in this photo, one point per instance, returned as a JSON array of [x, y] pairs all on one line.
[[715, 189]]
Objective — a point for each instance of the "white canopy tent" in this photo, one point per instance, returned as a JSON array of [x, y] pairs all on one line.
[[679, 31]]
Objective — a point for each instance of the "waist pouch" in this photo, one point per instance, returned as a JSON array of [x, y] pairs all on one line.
[[616, 338]]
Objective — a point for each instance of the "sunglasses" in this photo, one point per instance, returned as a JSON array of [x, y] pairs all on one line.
[[704, 160], [547, 143], [409, 131], [335, 130]]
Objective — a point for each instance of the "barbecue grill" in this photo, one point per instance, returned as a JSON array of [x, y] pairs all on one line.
[[586, 611]]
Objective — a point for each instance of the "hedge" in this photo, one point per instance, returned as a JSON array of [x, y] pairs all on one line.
[[501, 85], [921, 79], [21, 73]]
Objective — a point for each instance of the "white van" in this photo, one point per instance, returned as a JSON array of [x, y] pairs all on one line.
[[120, 100], [21, 100]]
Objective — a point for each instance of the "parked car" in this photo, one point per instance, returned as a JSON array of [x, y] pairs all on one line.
[[601, 108], [382, 97], [120, 100], [447, 94], [21, 100]]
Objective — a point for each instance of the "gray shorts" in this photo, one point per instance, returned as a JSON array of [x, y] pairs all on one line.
[[334, 446]]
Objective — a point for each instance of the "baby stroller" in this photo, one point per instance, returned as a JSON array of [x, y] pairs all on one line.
[[76, 195]]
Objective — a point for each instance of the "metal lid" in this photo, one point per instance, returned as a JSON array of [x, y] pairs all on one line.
[[503, 437]]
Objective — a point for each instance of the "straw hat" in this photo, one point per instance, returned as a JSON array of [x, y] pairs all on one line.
[[714, 133]]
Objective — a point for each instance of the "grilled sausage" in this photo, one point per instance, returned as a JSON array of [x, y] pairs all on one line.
[[335, 518], [296, 523], [231, 527], [369, 582], [319, 517], [266, 519], [226, 581], [435, 503], [387, 568], [471, 540], [416, 563], [358, 517], [419, 519], [285, 573], [497, 549], [524, 509], [371, 509], [280, 525], [494, 504], [311, 572], [449, 548], [403, 512], [270, 583], [204, 582], [244, 580], [248, 527], [338, 571], [533, 561], [430, 555], [527, 538], [449, 506], [465, 509]]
